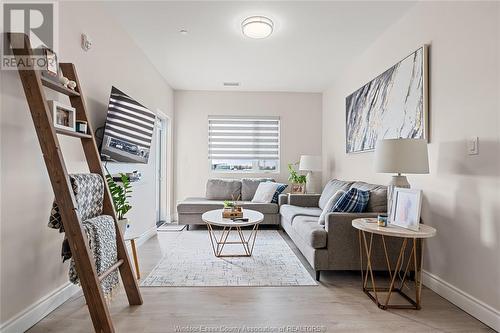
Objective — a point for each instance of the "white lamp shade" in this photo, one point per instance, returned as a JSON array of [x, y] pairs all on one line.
[[310, 163], [401, 156]]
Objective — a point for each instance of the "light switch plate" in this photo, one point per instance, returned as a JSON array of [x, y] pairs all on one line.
[[473, 145]]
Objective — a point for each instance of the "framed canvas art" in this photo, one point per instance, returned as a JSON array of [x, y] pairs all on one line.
[[392, 105], [405, 208]]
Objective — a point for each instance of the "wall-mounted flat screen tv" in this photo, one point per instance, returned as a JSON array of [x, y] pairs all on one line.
[[129, 130]]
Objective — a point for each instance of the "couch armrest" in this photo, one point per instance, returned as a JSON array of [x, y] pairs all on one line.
[[304, 200], [282, 199], [338, 220]]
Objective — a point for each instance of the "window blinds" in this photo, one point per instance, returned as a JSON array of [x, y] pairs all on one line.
[[243, 138]]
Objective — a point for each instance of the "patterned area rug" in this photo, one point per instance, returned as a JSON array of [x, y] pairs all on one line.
[[191, 262]]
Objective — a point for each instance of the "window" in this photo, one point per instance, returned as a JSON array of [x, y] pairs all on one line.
[[244, 144]]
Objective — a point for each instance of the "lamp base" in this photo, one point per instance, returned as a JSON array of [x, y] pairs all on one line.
[[396, 181], [311, 183], [400, 181]]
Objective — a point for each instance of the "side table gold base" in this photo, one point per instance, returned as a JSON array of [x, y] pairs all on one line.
[[219, 243], [412, 304], [395, 275]]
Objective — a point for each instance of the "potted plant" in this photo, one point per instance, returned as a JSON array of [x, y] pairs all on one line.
[[120, 193], [228, 204], [298, 181]]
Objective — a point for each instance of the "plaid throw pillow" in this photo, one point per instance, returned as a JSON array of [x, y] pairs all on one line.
[[353, 201], [279, 190]]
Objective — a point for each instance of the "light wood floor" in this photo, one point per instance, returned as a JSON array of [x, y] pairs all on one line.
[[336, 305]]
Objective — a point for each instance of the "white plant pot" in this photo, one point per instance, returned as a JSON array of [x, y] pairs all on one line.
[[123, 225]]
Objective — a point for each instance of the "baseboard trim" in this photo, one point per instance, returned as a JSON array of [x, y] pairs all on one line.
[[37, 311], [145, 236], [463, 300]]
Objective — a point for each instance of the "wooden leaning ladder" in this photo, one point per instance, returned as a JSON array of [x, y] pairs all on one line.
[[33, 84]]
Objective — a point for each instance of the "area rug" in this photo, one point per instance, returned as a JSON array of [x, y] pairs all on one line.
[[190, 262]]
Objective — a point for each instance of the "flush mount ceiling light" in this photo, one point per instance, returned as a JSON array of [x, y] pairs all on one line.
[[257, 27]]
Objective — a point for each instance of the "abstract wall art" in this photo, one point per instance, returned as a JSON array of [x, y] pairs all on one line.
[[393, 105]]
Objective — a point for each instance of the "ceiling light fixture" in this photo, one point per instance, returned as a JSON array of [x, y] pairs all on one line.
[[257, 27]]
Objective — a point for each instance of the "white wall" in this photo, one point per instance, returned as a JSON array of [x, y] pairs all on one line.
[[461, 193], [300, 115], [31, 267]]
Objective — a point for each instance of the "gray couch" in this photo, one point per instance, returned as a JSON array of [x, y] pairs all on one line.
[[335, 245], [217, 190]]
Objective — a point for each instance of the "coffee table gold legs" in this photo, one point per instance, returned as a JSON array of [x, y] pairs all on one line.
[[218, 243], [398, 276]]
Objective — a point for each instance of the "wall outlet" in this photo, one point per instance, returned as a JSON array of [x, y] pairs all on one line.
[[473, 146]]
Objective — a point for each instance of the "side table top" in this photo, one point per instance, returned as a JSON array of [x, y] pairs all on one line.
[[370, 225], [215, 217]]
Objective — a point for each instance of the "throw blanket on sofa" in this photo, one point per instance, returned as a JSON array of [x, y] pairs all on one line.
[[100, 229]]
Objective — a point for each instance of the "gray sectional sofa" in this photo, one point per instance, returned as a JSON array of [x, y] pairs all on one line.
[[217, 190], [332, 246], [335, 245]]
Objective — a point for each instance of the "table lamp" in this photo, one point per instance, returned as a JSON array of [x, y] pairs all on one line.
[[401, 156], [311, 164]]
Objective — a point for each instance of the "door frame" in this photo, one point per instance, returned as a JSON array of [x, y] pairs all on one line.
[[166, 188]]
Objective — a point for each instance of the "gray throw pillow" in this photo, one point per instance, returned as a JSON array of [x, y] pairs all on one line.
[[329, 205], [378, 196], [330, 189], [223, 189]]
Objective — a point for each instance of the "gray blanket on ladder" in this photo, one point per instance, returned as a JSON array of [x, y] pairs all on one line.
[[99, 229]]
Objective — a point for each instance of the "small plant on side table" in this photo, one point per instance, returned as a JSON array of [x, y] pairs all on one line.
[[298, 181], [120, 195]]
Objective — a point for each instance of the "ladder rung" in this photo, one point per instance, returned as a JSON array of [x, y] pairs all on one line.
[[109, 270], [57, 87], [72, 133]]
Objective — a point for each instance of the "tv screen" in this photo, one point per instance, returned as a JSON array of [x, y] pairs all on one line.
[[129, 130]]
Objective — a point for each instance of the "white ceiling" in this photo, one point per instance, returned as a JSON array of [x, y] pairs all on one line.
[[311, 42]]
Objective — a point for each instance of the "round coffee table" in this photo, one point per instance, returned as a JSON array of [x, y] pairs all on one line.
[[214, 218], [367, 228]]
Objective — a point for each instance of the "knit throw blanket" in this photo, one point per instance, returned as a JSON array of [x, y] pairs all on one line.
[[99, 229], [101, 234]]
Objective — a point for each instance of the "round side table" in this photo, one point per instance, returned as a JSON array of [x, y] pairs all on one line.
[[367, 228]]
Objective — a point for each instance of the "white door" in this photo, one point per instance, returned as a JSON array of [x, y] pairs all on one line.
[[161, 172]]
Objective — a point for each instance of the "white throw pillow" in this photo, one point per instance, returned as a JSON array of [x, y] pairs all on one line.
[[329, 205], [265, 192]]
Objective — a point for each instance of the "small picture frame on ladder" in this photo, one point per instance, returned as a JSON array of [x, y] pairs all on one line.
[[63, 116]]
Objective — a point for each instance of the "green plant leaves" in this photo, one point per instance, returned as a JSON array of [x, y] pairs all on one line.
[[120, 194], [294, 176]]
